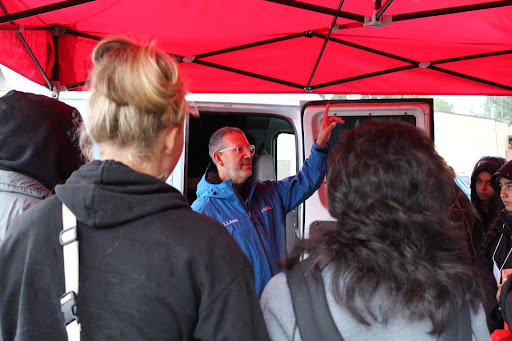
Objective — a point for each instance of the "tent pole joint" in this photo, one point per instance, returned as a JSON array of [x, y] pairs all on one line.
[[375, 21], [55, 90], [58, 30], [188, 59]]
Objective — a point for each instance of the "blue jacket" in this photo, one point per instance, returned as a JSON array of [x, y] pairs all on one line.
[[259, 225]]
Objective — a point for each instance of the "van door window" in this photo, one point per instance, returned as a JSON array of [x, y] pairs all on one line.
[[286, 155]]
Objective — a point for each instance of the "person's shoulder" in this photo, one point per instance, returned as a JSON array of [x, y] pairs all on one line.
[[31, 228], [34, 212], [277, 307], [276, 291], [199, 204], [210, 205], [201, 224]]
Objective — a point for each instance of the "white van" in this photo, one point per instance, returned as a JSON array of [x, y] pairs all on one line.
[[284, 133]]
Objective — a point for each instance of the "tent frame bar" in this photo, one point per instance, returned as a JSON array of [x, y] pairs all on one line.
[[29, 51], [250, 74], [324, 45], [36, 11], [40, 10], [412, 63], [451, 10], [319, 9], [396, 17], [246, 46]]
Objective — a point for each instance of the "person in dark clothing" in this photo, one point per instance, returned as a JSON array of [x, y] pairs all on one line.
[[497, 241], [38, 149], [487, 203], [149, 267], [483, 196], [500, 248]]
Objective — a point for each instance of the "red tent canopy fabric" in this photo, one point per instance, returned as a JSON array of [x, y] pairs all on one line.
[[436, 47]]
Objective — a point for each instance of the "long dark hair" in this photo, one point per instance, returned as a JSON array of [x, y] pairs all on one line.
[[464, 214], [391, 193]]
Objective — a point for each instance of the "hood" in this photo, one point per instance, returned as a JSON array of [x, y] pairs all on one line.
[[211, 186], [37, 137], [503, 172], [489, 164], [108, 193]]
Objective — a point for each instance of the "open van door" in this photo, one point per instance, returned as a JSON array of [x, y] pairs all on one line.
[[283, 134], [418, 112]]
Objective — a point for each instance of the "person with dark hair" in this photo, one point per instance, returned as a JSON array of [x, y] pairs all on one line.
[[488, 205], [500, 247], [483, 196], [147, 267], [255, 212], [395, 266], [39, 149], [465, 215]]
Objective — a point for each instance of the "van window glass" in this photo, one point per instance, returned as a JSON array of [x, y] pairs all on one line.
[[286, 155], [352, 121]]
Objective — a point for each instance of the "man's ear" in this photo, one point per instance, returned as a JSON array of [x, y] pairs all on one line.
[[218, 159]]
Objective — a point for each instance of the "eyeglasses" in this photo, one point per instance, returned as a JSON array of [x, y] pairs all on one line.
[[241, 149]]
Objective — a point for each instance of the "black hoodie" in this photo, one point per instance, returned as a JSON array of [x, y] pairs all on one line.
[[150, 267], [38, 150], [38, 137]]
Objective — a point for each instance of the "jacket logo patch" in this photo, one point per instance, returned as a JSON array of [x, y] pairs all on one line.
[[229, 222], [266, 208]]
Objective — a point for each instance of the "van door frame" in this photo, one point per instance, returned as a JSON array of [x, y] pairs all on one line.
[[315, 208]]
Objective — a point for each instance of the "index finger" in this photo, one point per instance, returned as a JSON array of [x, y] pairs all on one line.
[[325, 118], [326, 111]]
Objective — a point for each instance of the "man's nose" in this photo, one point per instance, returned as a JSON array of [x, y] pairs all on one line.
[[484, 185], [503, 193]]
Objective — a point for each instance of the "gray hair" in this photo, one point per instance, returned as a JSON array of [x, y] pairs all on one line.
[[217, 139]]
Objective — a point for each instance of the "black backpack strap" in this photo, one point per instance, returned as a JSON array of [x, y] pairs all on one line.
[[459, 329], [312, 314]]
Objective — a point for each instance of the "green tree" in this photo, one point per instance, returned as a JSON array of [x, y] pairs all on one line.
[[498, 107], [443, 105]]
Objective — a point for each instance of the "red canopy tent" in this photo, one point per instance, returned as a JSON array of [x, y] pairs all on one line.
[[450, 47]]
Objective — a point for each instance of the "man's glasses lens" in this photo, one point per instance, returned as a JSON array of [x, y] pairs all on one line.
[[252, 149], [240, 149]]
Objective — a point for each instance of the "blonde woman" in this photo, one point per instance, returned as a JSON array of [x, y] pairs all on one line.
[[149, 267]]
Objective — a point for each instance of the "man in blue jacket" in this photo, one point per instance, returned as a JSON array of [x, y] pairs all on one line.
[[255, 212]]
